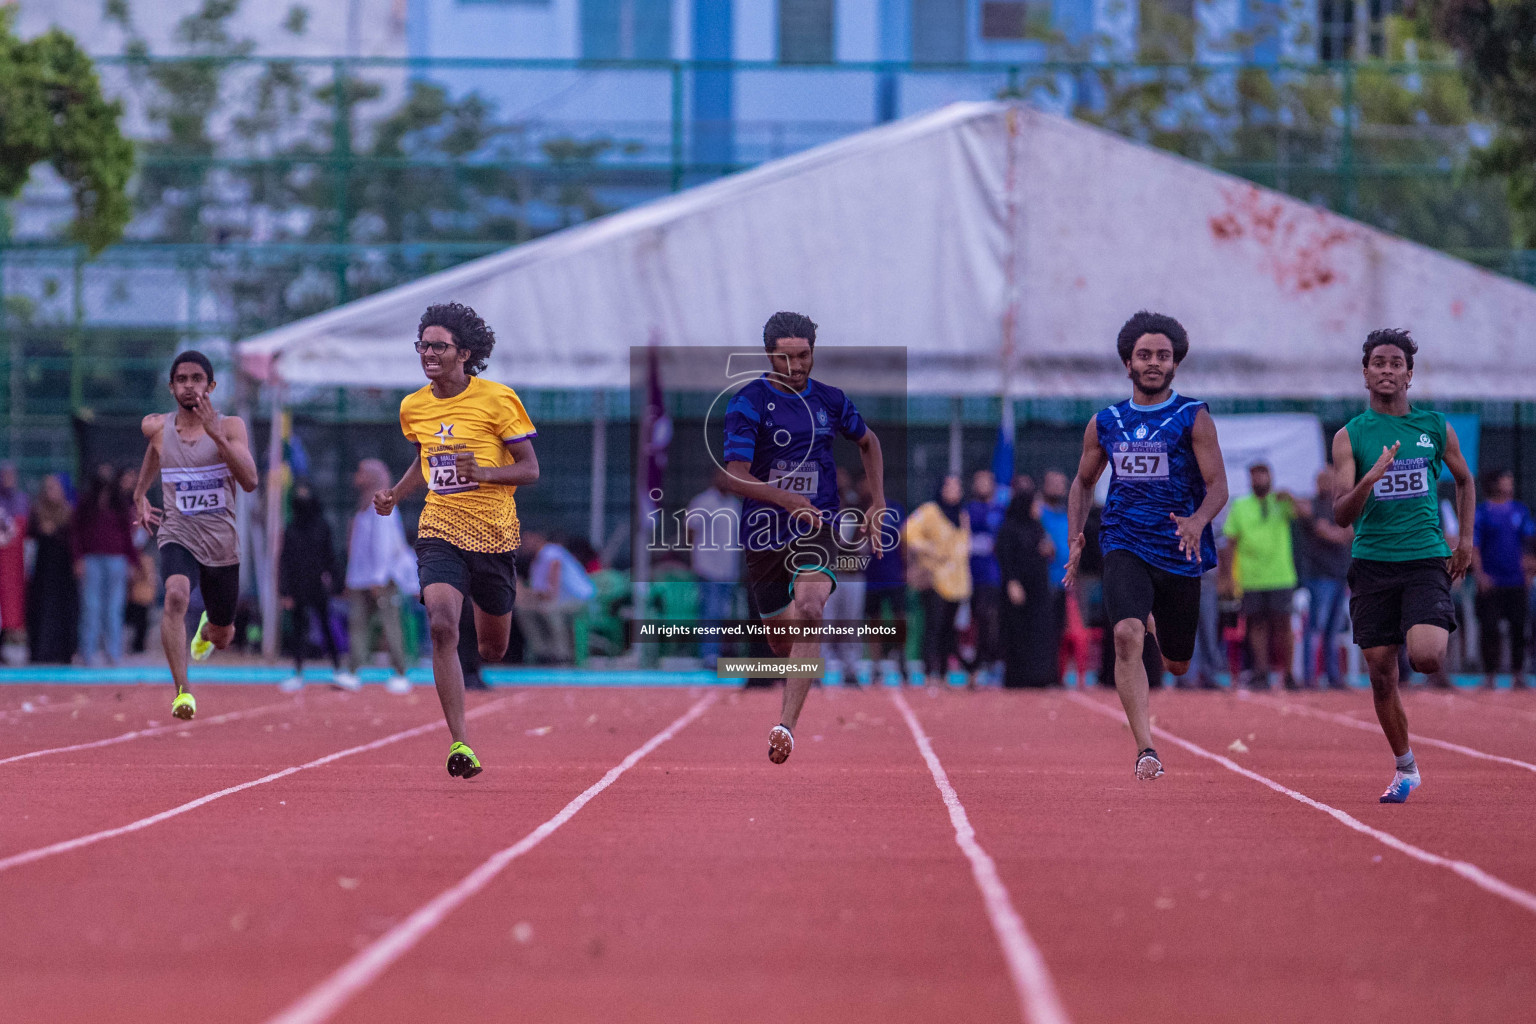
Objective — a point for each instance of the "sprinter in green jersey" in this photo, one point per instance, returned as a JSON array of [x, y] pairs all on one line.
[[1388, 460]]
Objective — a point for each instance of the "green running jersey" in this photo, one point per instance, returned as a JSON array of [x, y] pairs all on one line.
[[1401, 520]]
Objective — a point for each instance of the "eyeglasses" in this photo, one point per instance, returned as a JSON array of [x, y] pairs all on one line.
[[437, 348]]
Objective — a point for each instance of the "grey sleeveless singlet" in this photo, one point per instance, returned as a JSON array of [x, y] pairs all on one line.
[[198, 492]]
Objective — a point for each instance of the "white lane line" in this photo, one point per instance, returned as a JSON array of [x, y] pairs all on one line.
[[28, 856], [1503, 701], [331, 994], [1418, 738], [154, 730], [1038, 1001], [1471, 872], [27, 710]]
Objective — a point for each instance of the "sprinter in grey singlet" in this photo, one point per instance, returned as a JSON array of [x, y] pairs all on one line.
[[199, 456]]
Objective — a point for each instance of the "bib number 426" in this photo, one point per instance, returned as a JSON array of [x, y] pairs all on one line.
[[444, 476]]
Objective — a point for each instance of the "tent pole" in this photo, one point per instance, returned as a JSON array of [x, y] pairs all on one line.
[[956, 451], [270, 630], [245, 385], [1011, 274], [599, 468]]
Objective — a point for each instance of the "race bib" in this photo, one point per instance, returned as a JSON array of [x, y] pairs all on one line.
[[197, 496], [443, 476], [1141, 460], [806, 480], [1408, 478]]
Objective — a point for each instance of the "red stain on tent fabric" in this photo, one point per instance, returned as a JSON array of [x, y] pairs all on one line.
[[1296, 243]]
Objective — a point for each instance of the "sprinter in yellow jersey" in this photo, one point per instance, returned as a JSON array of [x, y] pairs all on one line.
[[475, 445]]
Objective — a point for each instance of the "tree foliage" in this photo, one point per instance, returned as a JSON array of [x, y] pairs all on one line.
[[52, 111], [311, 155], [1385, 145], [1496, 41]]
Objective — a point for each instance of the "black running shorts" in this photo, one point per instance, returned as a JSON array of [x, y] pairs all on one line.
[[1386, 599], [220, 584], [1272, 603], [771, 574], [1133, 590], [489, 580]]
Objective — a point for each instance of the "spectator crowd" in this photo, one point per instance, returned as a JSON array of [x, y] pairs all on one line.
[[976, 576]]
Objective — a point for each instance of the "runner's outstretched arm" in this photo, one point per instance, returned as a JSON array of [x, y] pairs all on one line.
[[524, 468], [229, 435], [741, 482], [1466, 504], [1214, 471], [1080, 497], [874, 471], [1348, 508], [145, 514], [384, 501]]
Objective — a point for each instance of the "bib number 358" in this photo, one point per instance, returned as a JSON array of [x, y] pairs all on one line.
[[1402, 483], [444, 476]]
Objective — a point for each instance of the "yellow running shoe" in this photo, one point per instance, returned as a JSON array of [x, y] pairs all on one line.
[[184, 706], [462, 762], [201, 648]]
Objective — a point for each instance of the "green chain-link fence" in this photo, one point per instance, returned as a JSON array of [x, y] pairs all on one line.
[[270, 189]]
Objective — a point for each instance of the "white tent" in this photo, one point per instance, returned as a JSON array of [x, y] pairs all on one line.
[[937, 233]]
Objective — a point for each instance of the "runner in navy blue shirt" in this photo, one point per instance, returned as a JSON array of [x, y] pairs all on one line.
[[778, 454], [1499, 533], [1168, 484]]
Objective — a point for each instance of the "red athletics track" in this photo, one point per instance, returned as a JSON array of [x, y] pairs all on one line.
[[704, 884]]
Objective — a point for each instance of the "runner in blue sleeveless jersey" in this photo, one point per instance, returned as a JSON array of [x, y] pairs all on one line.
[[1168, 483]]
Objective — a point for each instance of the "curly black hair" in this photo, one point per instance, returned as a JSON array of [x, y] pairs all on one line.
[[1389, 336], [1152, 323], [788, 325], [470, 333]]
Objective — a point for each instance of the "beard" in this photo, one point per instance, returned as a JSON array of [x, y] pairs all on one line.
[[1144, 389]]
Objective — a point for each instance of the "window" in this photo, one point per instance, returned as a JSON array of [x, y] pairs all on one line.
[[1167, 30], [805, 31], [626, 29], [1339, 35], [1003, 20], [938, 31], [1335, 29]]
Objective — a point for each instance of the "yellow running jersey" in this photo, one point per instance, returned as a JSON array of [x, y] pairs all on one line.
[[483, 418]]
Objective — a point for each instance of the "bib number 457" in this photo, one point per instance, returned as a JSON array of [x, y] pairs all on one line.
[[1141, 466]]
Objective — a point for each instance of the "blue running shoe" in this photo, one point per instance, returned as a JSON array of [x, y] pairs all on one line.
[[1403, 783]]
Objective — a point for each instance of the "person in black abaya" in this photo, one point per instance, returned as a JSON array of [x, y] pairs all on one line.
[[306, 571], [53, 609], [1029, 653]]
